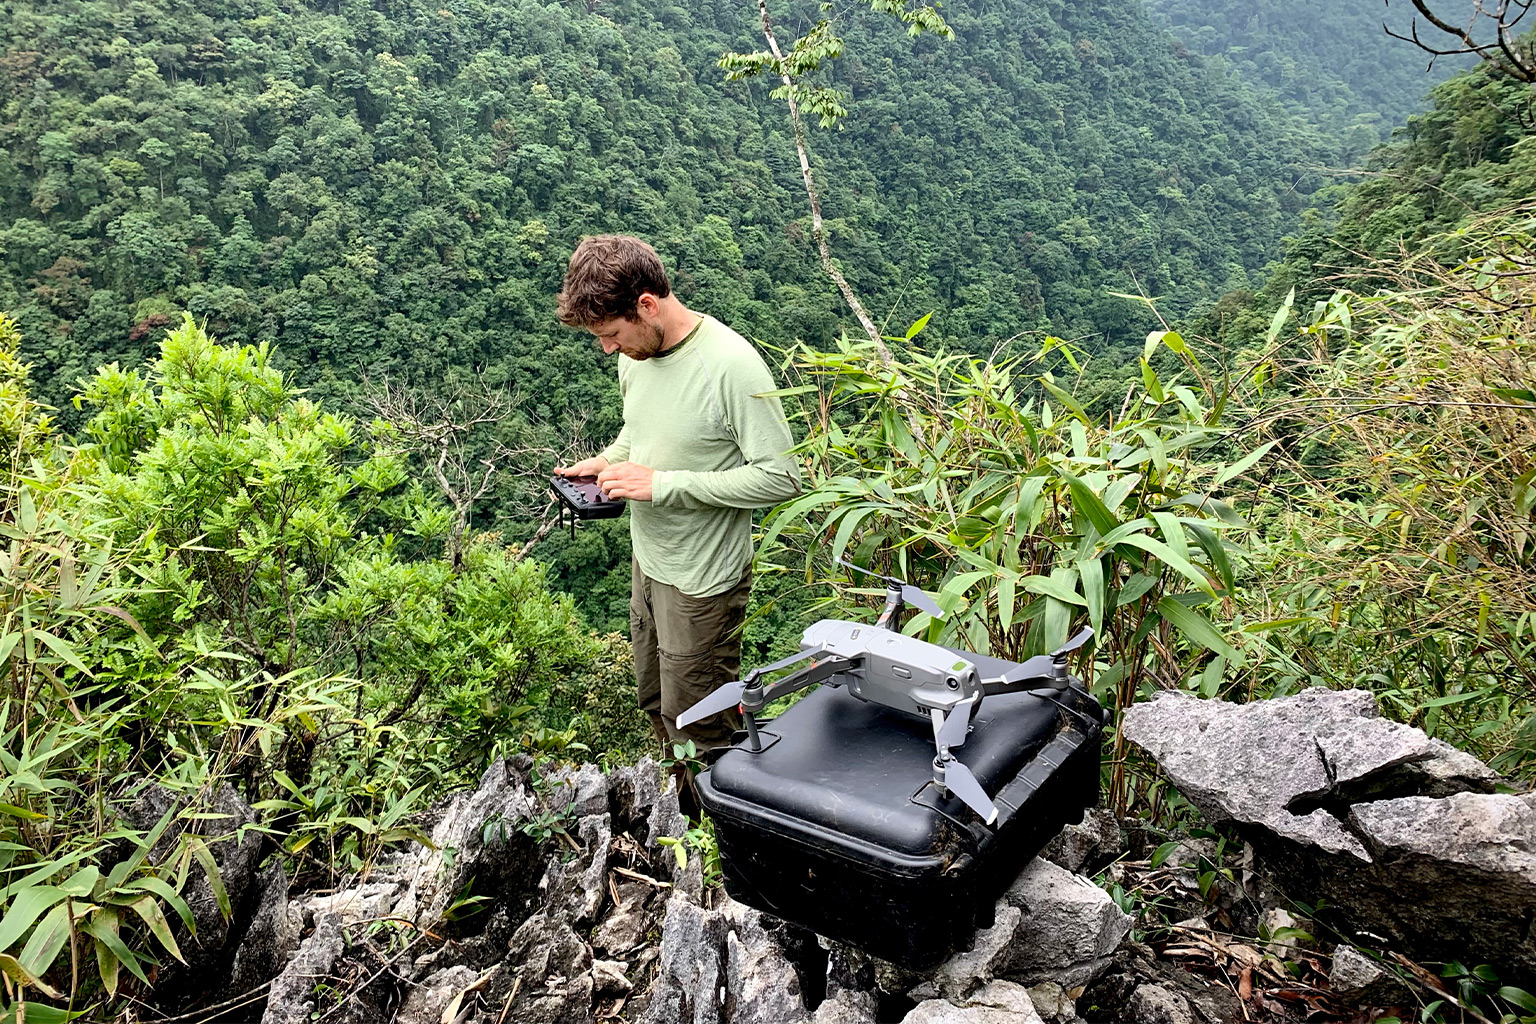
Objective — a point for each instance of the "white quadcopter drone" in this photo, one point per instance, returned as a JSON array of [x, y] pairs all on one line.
[[877, 664]]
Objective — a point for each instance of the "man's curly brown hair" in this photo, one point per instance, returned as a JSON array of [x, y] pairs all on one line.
[[606, 277]]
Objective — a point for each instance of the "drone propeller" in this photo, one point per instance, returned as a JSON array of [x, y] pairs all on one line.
[[909, 594], [956, 725], [1043, 666], [959, 781], [949, 731], [723, 699], [729, 695]]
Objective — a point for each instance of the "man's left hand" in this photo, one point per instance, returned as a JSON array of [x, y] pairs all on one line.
[[628, 480]]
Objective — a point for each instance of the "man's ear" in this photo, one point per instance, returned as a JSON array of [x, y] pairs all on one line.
[[648, 306]]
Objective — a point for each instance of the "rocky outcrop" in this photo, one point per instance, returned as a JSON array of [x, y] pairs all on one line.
[[1401, 833]]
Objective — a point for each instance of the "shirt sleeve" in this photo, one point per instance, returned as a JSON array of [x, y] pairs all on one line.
[[768, 474], [618, 451]]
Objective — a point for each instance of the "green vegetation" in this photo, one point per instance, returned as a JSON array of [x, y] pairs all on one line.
[[231, 565], [227, 585]]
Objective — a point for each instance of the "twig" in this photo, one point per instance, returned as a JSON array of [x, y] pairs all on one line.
[[376, 975], [637, 876], [228, 1004]]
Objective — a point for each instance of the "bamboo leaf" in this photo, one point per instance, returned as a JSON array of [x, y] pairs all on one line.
[[850, 523], [103, 927], [18, 973], [27, 906], [63, 650], [1091, 572], [1134, 588], [47, 940], [1210, 542], [1088, 503], [1055, 586], [1005, 601], [1157, 549], [160, 887], [1173, 533], [1243, 464], [1066, 399], [215, 876], [1198, 630], [149, 910]]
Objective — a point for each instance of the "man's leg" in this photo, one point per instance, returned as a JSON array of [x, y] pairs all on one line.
[[698, 642], [642, 635]]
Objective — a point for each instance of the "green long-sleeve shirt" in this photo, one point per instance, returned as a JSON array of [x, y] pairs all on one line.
[[697, 416]]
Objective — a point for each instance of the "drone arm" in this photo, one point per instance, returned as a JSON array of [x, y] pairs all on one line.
[[816, 672], [894, 600]]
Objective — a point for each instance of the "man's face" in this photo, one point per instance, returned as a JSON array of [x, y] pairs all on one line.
[[638, 339]]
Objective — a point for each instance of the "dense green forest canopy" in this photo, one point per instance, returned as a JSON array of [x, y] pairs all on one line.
[[1331, 62], [392, 187]]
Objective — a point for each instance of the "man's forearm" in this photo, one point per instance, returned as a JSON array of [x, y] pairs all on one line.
[[755, 485]]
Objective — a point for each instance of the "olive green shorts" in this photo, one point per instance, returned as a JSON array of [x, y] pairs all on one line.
[[685, 649]]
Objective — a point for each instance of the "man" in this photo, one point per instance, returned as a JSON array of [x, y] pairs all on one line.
[[699, 449]]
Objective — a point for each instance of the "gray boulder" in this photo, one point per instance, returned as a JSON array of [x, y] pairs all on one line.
[[1400, 832], [1357, 979], [1051, 925]]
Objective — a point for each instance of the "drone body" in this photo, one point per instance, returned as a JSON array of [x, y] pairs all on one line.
[[901, 672]]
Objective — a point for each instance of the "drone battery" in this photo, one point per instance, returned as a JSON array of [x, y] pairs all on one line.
[[837, 825]]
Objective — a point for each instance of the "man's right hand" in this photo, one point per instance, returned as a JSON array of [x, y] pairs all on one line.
[[586, 467]]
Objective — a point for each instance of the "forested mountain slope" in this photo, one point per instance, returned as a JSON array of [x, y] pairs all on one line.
[[1330, 61], [391, 188]]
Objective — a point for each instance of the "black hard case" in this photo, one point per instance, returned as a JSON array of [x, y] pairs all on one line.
[[837, 825]]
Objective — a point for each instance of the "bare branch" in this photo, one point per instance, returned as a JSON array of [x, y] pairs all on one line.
[[1504, 51]]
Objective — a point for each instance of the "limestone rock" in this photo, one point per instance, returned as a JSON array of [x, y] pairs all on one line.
[[480, 828], [273, 934], [1361, 981], [761, 986], [360, 903], [690, 976], [1400, 833], [1068, 927], [847, 1007], [236, 858], [1156, 1004], [427, 1001], [291, 999], [1089, 845], [722, 965], [610, 977]]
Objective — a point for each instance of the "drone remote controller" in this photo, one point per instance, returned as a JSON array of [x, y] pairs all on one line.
[[584, 499]]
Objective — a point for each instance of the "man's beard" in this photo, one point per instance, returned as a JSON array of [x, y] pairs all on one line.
[[658, 336]]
